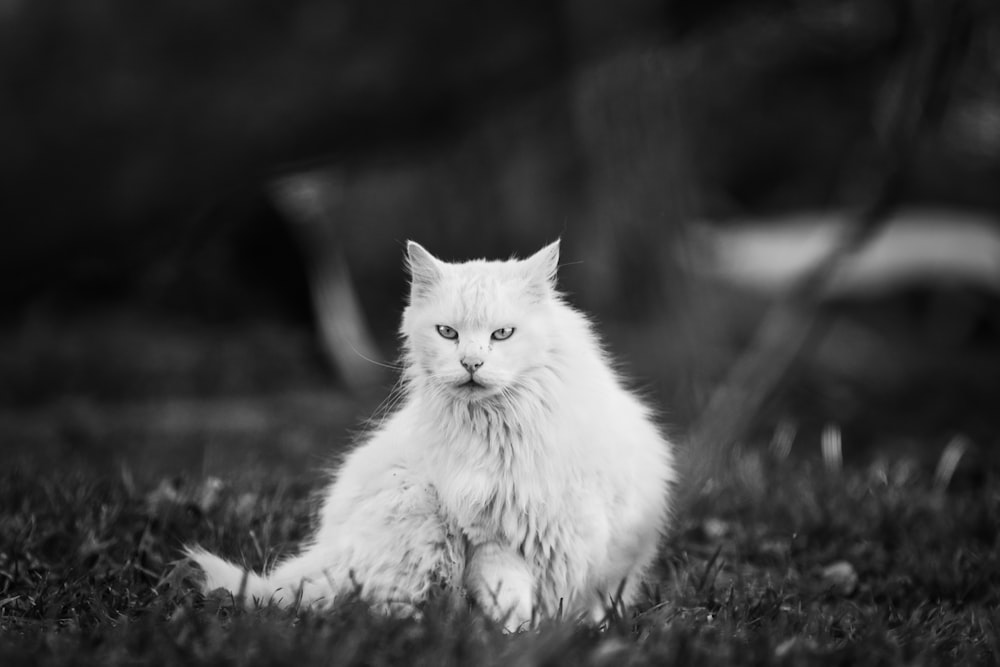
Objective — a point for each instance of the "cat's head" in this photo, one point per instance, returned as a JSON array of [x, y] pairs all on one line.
[[478, 329]]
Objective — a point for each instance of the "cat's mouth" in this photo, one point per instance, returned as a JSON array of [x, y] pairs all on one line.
[[472, 387]]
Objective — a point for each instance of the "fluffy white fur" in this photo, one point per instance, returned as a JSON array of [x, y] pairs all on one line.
[[516, 468]]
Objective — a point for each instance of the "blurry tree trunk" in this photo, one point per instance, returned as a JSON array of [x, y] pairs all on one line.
[[304, 200], [913, 99]]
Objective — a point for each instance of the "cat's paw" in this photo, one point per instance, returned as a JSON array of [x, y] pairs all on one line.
[[501, 584], [509, 607]]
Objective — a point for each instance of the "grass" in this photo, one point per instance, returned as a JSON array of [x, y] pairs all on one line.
[[109, 468], [780, 561]]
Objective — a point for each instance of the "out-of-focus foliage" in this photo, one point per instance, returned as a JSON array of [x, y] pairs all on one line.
[[124, 128], [135, 138], [140, 148]]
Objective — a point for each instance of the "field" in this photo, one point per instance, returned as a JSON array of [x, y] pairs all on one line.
[[784, 558]]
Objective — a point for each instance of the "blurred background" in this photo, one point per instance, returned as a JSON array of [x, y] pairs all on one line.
[[204, 208]]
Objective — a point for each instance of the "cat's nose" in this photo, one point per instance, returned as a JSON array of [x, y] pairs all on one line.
[[472, 364]]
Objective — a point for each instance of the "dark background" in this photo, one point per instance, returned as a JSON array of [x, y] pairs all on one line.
[[156, 294]]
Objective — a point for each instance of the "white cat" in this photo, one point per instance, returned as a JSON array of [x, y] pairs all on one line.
[[518, 467]]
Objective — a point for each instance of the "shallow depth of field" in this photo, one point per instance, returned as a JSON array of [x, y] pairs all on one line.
[[783, 218], [779, 561]]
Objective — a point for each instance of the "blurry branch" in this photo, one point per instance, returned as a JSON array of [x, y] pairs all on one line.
[[303, 200], [914, 97]]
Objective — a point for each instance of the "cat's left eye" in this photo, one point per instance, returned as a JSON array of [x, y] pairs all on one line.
[[502, 334]]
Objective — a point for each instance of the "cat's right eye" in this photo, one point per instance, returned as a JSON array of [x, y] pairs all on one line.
[[447, 332]]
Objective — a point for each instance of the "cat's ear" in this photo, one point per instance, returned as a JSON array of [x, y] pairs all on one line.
[[542, 266], [425, 269]]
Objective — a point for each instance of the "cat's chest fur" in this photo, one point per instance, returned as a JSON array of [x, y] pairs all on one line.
[[491, 475]]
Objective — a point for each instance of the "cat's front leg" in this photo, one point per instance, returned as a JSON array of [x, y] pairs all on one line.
[[501, 583]]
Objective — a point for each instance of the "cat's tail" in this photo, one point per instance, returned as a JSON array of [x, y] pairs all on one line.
[[220, 573]]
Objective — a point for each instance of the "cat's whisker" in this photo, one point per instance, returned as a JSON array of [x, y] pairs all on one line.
[[381, 364], [388, 406], [396, 393]]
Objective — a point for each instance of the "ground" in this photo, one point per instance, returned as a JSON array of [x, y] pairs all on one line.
[[784, 557]]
